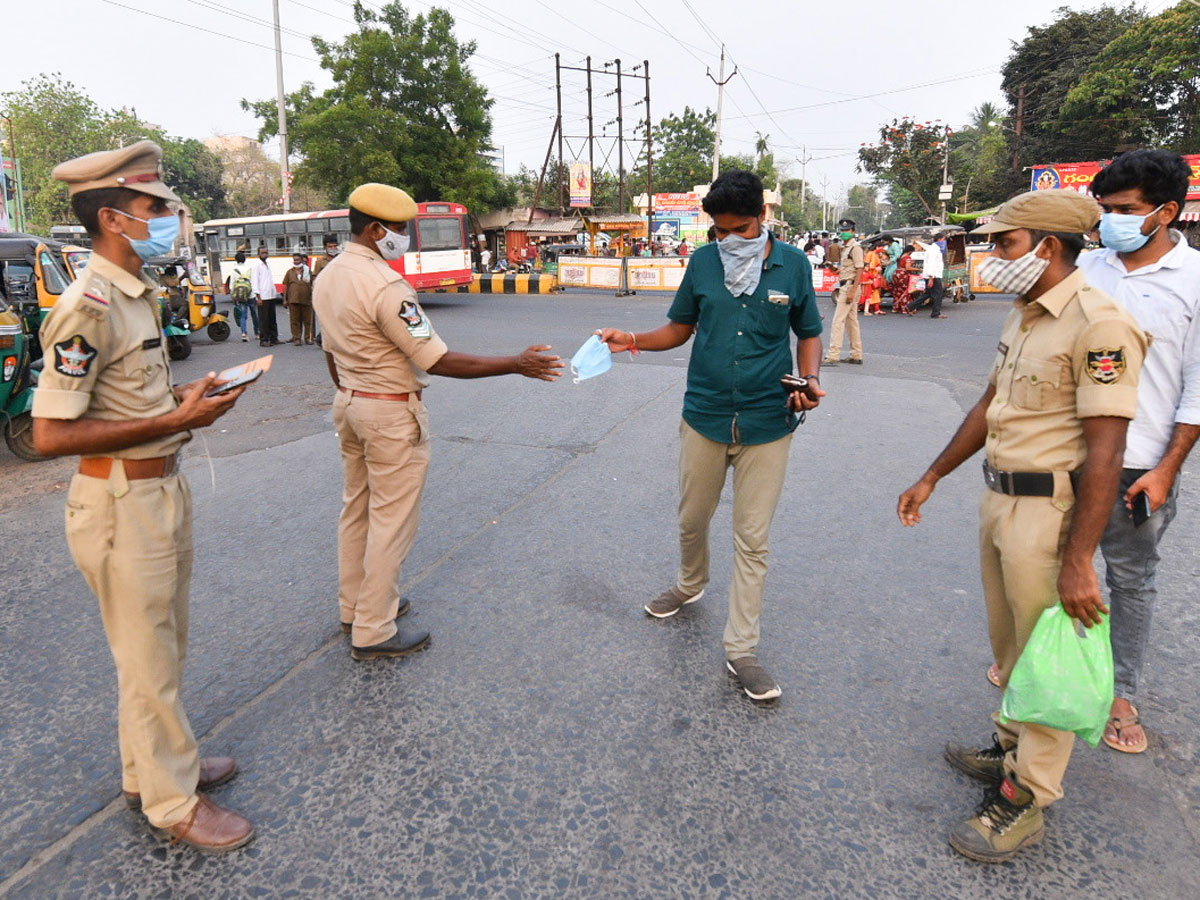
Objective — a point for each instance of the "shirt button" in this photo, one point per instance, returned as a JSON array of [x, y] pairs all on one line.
[[993, 435], [735, 362], [743, 306], [1033, 378], [1024, 328], [1010, 365], [739, 334]]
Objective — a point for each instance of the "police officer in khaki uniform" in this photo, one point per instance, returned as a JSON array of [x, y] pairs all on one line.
[[106, 394], [1060, 396], [845, 298], [381, 348]]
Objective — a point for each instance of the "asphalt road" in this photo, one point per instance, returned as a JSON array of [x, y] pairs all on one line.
[[553, 741]]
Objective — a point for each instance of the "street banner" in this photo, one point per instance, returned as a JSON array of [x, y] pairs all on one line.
[[581, 184], [590, 271], [665, 228], [1080, 175], [677, 203]]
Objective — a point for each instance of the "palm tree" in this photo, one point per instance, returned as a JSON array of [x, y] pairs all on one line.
[[761, 146], [985, 116]]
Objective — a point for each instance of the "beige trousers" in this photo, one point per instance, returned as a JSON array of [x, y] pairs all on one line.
[[758, 474], [845, 318], [132, 540], [385, 453], [1021, 541]]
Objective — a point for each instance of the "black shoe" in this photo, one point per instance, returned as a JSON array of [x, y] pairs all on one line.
[[403, 610], [854, 362], [400, 644]]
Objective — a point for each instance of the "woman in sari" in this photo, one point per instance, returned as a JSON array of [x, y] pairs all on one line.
[[900, 282]]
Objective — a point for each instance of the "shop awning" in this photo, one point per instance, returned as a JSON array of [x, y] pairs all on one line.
[[548, 227], [1191, 211]]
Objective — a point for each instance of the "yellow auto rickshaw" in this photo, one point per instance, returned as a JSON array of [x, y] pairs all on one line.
[[189, 295]]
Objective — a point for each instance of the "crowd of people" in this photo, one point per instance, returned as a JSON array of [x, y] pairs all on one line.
[[1085, 423]]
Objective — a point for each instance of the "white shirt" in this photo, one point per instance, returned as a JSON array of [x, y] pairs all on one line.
[[934, 266], [264, 281], [1164, 298]]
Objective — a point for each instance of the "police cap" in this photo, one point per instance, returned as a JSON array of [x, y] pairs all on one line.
[[137, 167], [383, 202], [1069, 212], [847, 225]]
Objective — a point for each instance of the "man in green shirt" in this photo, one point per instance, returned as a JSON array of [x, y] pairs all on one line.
[[742, 297]]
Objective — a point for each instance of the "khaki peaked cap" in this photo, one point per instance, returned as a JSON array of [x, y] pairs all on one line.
[[1064, 211], [383, 202], [137, 167]]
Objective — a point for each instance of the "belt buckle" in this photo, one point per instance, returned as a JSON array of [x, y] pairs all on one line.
[[1010, 488], [989, 476]]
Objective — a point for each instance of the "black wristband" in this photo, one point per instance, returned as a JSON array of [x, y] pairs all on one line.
[[813, 377]]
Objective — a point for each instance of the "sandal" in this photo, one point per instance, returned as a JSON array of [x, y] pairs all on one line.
[[1119, 724], [993, 674]]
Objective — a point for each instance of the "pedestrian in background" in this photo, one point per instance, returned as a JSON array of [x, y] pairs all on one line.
[[106, 395], [297, 299], [742, 297], [1153, 273], [381, 348], [1063, 387], [240, 286], [266, 295], [332, 249], [845, 297]]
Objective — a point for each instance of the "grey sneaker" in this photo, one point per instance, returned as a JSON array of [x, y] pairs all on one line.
[[670, 602], [755, 680], [984, 763]]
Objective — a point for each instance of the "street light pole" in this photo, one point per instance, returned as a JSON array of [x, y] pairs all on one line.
[[285, 179], [720, 81]]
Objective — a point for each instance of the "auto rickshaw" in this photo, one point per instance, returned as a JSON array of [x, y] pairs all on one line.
[[32, 278], [956, 278], [190, 296], [18, 378]]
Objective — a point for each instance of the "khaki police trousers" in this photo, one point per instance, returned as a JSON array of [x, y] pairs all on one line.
[[132, 540], [385, 452], [1021, 541], [300, 321], [845, 319], [758, 474]]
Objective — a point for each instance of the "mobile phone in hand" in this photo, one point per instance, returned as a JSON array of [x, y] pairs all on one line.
[[1141, 509], [799, 384]]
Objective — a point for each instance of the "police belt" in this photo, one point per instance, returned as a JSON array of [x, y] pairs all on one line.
[[156, 467], [1019, 484], [401, 398]]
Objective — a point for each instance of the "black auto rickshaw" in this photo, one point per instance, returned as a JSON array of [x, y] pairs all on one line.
[[956, 277], [32, 278]]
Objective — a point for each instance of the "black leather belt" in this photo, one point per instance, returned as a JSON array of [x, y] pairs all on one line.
[[1019, 484]]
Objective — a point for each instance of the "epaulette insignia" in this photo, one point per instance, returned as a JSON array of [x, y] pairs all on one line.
[[95, 302]]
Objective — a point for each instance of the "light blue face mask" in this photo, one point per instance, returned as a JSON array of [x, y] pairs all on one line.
[[163, 232], [742, 259], [1123, 233], [592, 359]]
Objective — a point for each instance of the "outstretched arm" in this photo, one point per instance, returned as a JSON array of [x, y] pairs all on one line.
[[669, 336], [532, 363]]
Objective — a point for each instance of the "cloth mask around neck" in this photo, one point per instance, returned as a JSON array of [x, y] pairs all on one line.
[[1013, 276], [742, 259], [592, 359], [393, 245]]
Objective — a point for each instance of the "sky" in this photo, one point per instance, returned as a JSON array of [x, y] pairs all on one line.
[[817, 78]]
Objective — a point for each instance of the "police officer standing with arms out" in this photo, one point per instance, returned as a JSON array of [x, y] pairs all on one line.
[[106, 394], [1053, 419], [845, 298], [381, 348]]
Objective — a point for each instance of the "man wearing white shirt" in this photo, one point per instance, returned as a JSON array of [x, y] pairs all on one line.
[[266, 295], [933, 269], [1150, 269]]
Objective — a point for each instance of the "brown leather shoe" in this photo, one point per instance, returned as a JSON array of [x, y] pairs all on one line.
[[211, 828], [214, 771]]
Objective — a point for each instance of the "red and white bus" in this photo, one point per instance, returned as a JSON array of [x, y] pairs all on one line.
[[439, 255]]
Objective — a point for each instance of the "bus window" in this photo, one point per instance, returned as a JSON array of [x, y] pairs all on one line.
[[296, 227], [254, 227], [439, 234], [340, 224], [271, 228]]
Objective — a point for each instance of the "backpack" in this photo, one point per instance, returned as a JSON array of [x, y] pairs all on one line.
[[242, 288]]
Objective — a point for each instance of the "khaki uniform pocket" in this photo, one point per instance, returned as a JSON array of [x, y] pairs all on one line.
[[1040, 384]]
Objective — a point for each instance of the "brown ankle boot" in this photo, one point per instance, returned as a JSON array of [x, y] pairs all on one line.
[[211, 828]]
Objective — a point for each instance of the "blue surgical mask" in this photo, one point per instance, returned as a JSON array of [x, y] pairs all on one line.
[[163, 232], [742, 259], [1123, 233], [592, 359]]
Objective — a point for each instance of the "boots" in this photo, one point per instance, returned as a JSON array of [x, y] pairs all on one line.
[[1006, 822]]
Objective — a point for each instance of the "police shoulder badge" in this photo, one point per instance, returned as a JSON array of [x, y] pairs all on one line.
[[418, 326], [74, 356], [1106, 365]]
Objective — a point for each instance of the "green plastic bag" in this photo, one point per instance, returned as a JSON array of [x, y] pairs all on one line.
[[1063, 680]]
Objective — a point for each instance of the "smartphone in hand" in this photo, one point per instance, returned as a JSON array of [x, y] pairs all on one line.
[[1141, 509], [799, 384]]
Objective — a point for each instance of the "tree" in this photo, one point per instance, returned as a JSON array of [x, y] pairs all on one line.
[[980, 156], [404, 109], [55, 121], [1144, 86], [908, 155], [683, 151], [1047, 65]]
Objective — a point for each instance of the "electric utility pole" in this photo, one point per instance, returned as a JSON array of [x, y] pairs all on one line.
[[285, 176], [720, 81], [804, 159]]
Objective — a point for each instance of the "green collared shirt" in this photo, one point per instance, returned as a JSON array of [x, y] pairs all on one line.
[[742, 346]]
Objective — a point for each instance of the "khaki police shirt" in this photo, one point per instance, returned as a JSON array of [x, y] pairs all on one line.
[[1069, 355], [380, 338], [106, 357], [852, 261]]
